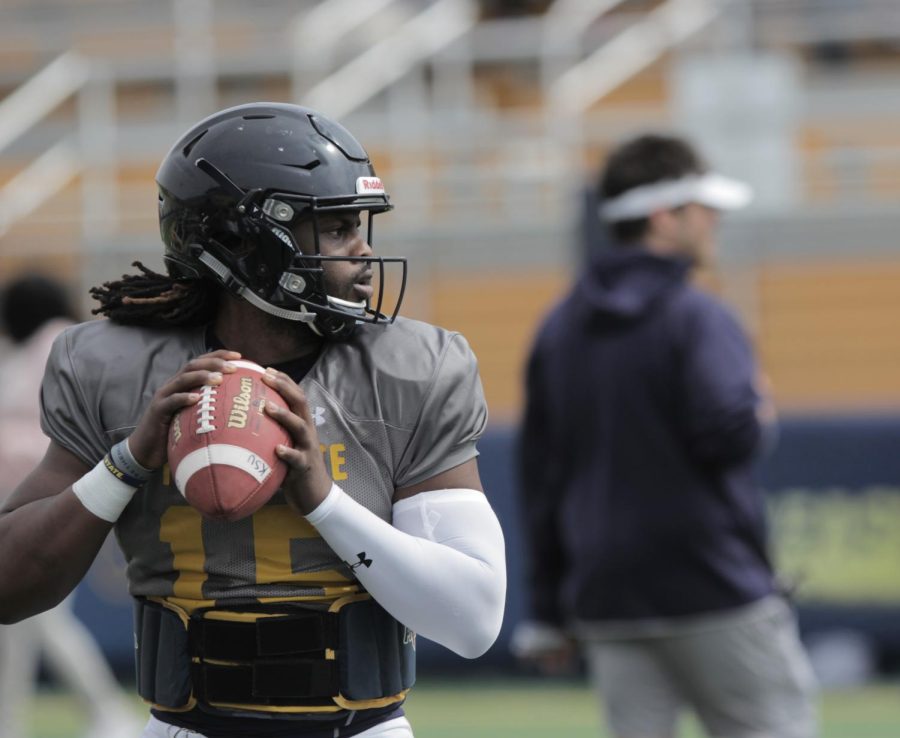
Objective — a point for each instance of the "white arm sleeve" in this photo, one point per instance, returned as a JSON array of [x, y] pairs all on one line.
[[440, 569]]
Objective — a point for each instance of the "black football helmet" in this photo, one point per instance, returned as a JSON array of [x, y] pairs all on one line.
[[233, 187]]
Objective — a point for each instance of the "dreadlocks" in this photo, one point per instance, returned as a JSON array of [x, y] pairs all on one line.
[[156, 300]]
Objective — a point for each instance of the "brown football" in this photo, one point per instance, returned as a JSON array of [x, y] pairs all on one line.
[[221, 450]]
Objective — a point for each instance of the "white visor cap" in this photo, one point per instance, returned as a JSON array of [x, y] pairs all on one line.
[[710, 189]]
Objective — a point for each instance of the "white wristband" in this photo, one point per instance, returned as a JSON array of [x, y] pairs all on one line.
[[102, 493]]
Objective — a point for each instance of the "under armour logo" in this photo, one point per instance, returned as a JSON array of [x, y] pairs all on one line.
[[319, 416], [363, 561]]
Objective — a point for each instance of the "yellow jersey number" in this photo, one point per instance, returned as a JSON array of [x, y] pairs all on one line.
[[274, 527]]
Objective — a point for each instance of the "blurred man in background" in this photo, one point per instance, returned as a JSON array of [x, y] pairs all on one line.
[[34, 310], [644, 415]]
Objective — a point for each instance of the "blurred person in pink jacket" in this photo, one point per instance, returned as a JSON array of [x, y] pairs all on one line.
[[33, 311]]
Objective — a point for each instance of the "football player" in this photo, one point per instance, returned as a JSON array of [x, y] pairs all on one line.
[[301, 619]]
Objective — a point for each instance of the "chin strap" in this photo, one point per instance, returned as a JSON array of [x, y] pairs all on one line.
[[235, 285], [351, 307], [319, 324]]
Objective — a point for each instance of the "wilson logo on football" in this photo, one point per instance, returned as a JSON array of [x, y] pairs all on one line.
[[240, 405], [369, 186]]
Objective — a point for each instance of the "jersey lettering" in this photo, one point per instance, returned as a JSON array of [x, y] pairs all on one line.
[[335, 459]]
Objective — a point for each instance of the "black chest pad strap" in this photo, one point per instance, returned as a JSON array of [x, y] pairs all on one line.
[[281, 658]]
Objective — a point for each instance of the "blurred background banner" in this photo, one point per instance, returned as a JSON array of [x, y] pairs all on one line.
[[487, 121]]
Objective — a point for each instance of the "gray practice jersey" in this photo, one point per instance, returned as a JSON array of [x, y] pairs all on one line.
[[393, 406]]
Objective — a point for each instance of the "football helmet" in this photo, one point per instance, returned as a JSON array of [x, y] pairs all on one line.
[[235, 185]]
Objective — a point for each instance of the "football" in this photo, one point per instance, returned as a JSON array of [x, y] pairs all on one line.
[[221, 450]]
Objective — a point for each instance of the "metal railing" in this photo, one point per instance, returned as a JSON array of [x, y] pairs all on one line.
[[628, 53], [20, 111], [414, 42]]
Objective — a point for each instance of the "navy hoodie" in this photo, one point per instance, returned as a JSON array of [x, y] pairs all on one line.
[[636, 450]]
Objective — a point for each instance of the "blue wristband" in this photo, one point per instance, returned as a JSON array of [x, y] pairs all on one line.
[[120, 462]]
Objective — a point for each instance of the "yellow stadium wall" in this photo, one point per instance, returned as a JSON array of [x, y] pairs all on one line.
[[826, 333]]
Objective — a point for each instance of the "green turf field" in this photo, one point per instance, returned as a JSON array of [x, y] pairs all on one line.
[[532, 709]]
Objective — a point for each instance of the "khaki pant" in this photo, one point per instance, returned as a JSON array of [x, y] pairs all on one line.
[[745, 675]]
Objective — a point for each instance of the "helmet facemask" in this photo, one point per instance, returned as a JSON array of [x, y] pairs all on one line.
[[306, 280]]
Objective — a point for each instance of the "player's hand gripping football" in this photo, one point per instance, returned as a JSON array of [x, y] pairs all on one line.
[[307, 483], [148, 441]]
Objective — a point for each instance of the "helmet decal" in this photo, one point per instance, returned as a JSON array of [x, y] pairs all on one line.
[[369, 185]]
